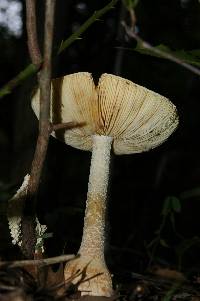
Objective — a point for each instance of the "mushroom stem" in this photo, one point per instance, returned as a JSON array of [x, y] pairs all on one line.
[[95, 279], [94, 223]]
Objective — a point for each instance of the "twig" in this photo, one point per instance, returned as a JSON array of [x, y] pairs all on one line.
[[28, 221], [167, 288], [96, 15], [31, 28], [31, 70], [41, 262], [45, 85], [66, 126], [17, 80], [33, 50], [133, 19], [159, 52], [119, 37]]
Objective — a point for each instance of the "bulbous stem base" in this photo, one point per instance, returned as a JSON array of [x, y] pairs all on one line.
[[93, 277]]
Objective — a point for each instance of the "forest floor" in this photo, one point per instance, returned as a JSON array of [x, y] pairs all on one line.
[[17, 284]]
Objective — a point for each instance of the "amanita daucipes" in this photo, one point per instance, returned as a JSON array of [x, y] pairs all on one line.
[[118, 115]]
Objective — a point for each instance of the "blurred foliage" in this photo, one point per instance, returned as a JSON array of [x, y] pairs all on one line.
[[130, 4], [170, 207], [190, 194], [191, 57], [182, 245], [31, 69]]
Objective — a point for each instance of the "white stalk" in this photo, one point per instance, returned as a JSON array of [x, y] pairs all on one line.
[[91, 251], [94, 223]]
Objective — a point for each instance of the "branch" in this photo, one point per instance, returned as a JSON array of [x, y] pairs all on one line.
[[31, 28], [31, 70], [45, 87], [159, 52], [65, 126], [96, 15], [119, 56], [41, 262], [17, 80], [28, 221]]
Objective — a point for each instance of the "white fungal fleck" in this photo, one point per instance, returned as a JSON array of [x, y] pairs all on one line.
[[14, 215], [14, 212], [40, 230]]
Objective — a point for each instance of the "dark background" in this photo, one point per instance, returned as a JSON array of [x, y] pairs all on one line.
[[139, 183]]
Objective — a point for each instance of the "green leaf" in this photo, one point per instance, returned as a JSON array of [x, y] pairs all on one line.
[[153, 242], [176, 204], [171, 203], [47, 235], [186, 244], [173, 221], [163, 243], [170, 293], [166, 206], [195, 192], [195, 52], [130, 3], [191, 57]]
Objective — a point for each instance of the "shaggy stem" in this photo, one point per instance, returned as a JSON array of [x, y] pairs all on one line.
[[95, 279], [94, 223]]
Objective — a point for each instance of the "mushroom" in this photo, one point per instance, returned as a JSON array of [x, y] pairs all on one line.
[[118, 115]]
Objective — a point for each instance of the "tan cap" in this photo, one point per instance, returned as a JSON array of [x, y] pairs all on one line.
[[137, 118]]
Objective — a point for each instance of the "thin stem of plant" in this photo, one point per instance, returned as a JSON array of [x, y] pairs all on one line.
[[146, 45], [38, 262], [118, 62], [45, 88], [31, 27], [28, 221], [96, 15], [66, 126], [31, 68]]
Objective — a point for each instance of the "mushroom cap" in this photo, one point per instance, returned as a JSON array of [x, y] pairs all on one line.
[[137, 118]]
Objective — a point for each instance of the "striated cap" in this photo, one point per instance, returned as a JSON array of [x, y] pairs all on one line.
[[138, 119]]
